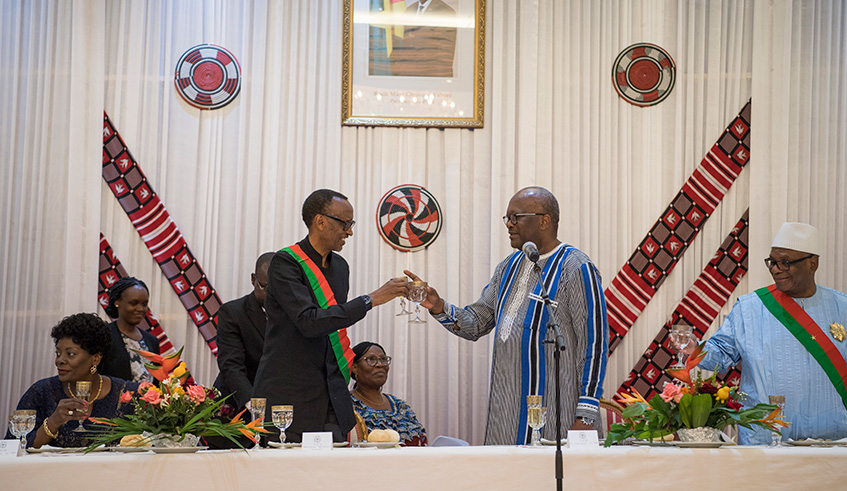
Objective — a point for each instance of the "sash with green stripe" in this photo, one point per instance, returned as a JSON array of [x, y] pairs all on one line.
[[323, 293], [810, 335]]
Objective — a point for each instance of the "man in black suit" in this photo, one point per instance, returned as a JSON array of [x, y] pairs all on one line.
[[241, 338], [305, 360]]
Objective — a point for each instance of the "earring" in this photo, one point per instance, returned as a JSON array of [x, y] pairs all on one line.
[[93, 369]]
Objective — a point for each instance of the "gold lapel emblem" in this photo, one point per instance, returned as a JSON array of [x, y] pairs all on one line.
[[838, 331]]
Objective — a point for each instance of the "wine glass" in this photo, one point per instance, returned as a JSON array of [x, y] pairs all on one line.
[[778, 401], [417, 294], [682, 336], [536, 418], [282, 417], [257, 408], [403, 309], [21, 422], [83, 391]]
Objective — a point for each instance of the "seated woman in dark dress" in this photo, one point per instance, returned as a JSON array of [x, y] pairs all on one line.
[[128, 299], [378, 410], [81, 341]]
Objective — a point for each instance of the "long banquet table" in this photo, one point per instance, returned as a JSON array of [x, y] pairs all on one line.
[[442, 468]]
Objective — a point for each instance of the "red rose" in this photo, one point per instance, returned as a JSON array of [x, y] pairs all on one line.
[[708, 388], [126, 397], [732, 404]]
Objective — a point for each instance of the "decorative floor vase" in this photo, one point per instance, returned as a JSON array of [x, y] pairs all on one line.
[[172, 441], [701, 434]]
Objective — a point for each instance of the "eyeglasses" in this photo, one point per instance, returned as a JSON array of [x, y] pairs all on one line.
[[513, 218], [372, 360], [261, 286], [348, 224], [784, 265]]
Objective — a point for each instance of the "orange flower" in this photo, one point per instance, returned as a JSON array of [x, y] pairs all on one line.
[[126, 397], [684, 374], [249, 426], [167, 363], [771, 420], [103, 421], [631, 398]]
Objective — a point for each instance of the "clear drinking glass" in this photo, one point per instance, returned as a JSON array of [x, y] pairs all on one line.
[[682, 337], [417, 294], [83, 391], [21, 422], [779, 401], [403, 309], [257, 407], [536, 418], [282, 418]]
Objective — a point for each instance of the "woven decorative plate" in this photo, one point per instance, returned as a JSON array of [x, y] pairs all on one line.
[[644, 74], [408, 218], [208, 76]]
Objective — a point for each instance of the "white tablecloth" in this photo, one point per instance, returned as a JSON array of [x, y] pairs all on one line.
[[444, 468]]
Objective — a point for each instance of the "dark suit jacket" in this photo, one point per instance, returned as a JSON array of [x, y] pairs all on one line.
[[241, 336], [298, 365], [116, 361]]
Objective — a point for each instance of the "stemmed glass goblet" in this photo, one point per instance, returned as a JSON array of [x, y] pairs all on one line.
[[21, 422], [417, 294], [282, 417], [682, 336], [403, 309], [257, 409], [778, 401], [83, 391], [536, 416]]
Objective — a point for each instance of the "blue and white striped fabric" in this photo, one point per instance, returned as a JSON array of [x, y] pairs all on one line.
[[775, 363], [522, 361]]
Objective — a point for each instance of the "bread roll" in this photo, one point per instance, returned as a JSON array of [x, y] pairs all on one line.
[[135, 441], [393, 436], [378, 436]]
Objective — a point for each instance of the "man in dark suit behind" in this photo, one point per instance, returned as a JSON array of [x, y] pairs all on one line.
[[299, 365], [241, 338]]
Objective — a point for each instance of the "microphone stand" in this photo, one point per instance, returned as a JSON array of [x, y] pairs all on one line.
[[560, 346]]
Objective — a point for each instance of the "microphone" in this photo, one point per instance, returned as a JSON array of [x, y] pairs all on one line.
[[531, 251]]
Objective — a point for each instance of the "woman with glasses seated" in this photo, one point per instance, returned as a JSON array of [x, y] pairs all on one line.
[[378, 410]]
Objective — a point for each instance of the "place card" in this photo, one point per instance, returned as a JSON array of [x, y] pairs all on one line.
[[583, 438], [10, 448], [317, 440]]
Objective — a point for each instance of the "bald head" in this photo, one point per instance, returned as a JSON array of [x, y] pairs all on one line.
[[545, 199]]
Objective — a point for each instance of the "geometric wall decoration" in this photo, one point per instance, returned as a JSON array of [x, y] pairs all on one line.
[[698, 308], [643, 74], [207, 76], [408, 218], [160, 234], [658, 253]]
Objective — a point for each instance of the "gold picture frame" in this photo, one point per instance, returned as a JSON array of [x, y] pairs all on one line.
[[413, 63]]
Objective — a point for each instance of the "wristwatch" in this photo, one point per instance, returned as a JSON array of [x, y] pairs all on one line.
[[586, 420], [368, 302]]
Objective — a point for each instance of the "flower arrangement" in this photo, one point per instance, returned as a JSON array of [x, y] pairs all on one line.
[[174, 408], [687, 403]]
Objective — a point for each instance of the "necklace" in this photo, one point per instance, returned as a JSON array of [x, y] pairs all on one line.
[[368, 401], [99, 388]]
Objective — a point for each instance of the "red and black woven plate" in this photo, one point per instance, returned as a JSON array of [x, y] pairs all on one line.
[[644, 74], [208, 76]]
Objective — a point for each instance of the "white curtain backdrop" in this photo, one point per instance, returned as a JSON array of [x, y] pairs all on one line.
[[234, 179]]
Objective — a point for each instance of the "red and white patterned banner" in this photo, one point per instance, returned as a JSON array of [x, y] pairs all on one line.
[[161, 235], [111, 270], [699, 308], [669, 238]]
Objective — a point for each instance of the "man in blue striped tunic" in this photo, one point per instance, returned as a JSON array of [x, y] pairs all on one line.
[[511, 306]]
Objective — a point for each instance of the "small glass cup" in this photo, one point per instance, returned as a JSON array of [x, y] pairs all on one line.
[[282, 418], [536, 417], [682, 336], [21, 422], [83, 391], [778, 401], [403, 309], [417, 294]]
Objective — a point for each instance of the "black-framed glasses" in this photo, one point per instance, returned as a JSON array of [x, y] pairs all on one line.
[[784, 265], [513, 218], [373, 360], [347, 224]]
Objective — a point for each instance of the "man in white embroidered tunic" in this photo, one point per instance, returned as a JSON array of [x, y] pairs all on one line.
[[779, 333], [510, 304]]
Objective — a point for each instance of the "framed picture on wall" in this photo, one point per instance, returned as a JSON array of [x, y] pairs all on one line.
[[413, 63]]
